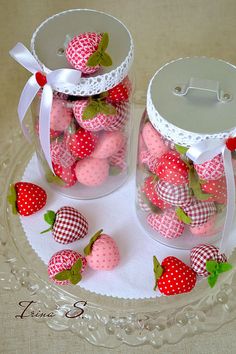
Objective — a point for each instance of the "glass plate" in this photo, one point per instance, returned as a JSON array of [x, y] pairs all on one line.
[[101, 320]]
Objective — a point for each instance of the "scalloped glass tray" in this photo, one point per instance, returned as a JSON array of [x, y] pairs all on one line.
[[106, 321]]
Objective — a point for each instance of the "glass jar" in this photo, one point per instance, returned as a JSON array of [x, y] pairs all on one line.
[[90, 122], [186, 153]]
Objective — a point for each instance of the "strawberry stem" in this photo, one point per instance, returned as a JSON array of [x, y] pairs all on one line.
[[49, 217], [158, 270], [11, 198], [88, 248]]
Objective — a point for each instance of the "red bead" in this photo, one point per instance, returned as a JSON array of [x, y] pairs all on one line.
[[231, 144], [40, 78]]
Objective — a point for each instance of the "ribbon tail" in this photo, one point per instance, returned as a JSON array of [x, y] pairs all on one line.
[[29, 92], [44, 123], [230, 183]]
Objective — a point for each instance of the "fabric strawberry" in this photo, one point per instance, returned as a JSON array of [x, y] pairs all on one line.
[[82, 143], [151, 161], [102, 252], [207, 229], [66, 266], [173, 276], [119, 158], [26, 198], [149, 189], [212, 169], [206, 260], [86, 52], [153, 140], [53, 133], [108, 144], [92, 172], [67, 224], [198, 212], [66, 175], [172, 169], [167, 223], [120, 92], [143, 205], [60, 154], [217, 189], [60, 116], [172, 194]]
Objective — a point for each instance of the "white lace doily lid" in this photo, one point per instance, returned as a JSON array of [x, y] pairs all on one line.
[[49, 38], [193, 99]]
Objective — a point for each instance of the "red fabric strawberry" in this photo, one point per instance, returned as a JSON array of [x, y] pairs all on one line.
[[167, 223], [66, 174], [82, 143], [172, 169], [199, 212], [149, 190], [120, 92], [174, 195], [173, 276], [217, 189], [26, 198]]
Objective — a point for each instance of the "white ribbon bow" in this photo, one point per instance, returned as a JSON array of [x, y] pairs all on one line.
[[205, 151], [46, 81]]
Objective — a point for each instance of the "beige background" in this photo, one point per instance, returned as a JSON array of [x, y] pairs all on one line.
[[162, 30]]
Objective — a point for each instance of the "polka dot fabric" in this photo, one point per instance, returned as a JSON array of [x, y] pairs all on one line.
[[174, 195], [153, 140], [149, 189], [30, 198], [61, 116], [81, 144], [211, 170], [202, 253], [64, 260], [108, 144], [92, 172], [105, 254], [67, 174], [70, 225], [217, 189], [199, 212], [167, 224]]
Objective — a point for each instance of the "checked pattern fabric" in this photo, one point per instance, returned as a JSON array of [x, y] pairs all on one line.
[[172, 194], [167, 224], [202, 253], [211, 170], [70, 225], [199, 212]]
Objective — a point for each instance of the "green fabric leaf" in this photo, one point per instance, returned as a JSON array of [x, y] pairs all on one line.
[[50, 217], [224, 267], [94, 59], [75, 278], [157, 269], [90, 111], [108, 109], [212, 279], [88, 248], [11, 198], [211, 266], [51, 178], [76, 268], [64, 275], [194, 183], [103, 42], [114, 170], [105, 60], [183, 216], [181, 149]]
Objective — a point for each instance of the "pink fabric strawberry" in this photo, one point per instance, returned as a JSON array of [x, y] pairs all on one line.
[[82, 143], [120, 92], [60, 155], [143, 205], [217, 189], [199, 212], [167, 223], [61, 115], [53, 133], [67, 224], [150, 191], [212, 169], [174, 195], [119, 158], [142, 149], [102, 252], [26, 198], [86, 52], [206, 229], [66, 174], [108, 144], [151, 161], [153, 140], [172, 169], [173, 276], [92, 172], [66, 266]]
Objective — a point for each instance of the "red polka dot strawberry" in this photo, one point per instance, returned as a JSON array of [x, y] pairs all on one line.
[[102, 252], [167, 223], [82, 143], [120, 92], [172, 169], [61, 115], [65, 176], [92, 172], [153, 140], [206, 260], [149, 190], [172, 194], [196, 213], [87, 52], [212, 169], [173, 276], [26, 198], [217, 190], [66, 266], [108, 144], [67, 224]]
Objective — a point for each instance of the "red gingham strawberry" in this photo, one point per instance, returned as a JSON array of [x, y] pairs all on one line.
[[102, 252], [149, 190], [120, 92], [174, 195], [26, 198], [209, 228], [217, 189], [66, 174], [60, 154], [167, 223], [81, 144], [199, 211], [66, 265], [202, 253], [212, 169], [172, 169], [173, 276], [67, 224]]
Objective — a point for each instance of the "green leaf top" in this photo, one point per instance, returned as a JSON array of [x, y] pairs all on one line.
[[100, 57], [73, 274], [88, 248], [11, 198], [51, 178], [114, 170], [181, 149], [182, 216], [49, 217], [195, 185], [158, 271], [215, 269], [98, 106]]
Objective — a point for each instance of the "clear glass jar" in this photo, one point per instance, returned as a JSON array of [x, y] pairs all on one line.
[[89, 152], [182, 201]]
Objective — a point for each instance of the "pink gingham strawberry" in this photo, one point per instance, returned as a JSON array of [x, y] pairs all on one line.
[[66, 174], [217, 189], [212, 169], [172, 169], [153, 140], [167, 223], [86, 52], [120, 92], [60, 155], [67, 224], [66, 266], [174, 195], [199, 212], [92, 172], [60, 116], [82, 143], [102, 252], [150, 191]]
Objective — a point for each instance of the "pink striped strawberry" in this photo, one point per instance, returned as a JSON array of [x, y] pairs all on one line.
[[67, 224], [172, 169], [66, 174], [153, 140], [66, 266], [198, 212], [212, 169], [150, 191], [217, 189], [92, 172], [60, 155], [173, 276], [82, 143], [172, 194], [26, 198], [167, 223], [120, 92], [86, 52]]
